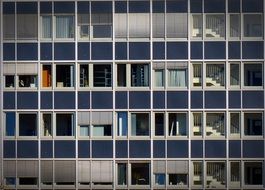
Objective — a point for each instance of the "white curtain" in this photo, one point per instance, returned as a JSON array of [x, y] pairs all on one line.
[[177, 77], [159, 78], [46, 26], [64, 26]]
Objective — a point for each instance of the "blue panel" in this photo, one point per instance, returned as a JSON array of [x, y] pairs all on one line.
[[253, 149], [158, 99], [158, 6], [64, 100], [214, 50], [9, 100], [139, 100], [121, 101], [215, 149], [8, 51], [177, 50], [215, 99], [27, 149], [83, 51], [197, 149], [252, 50], [46, 149], [102, 100], [139, 50], [8, 8], [234, 50], [120, 50], [102, 149], [101, 7], [121, 149], [27, 100], [253, 99], [196, 50], [10, 123], [83, 149], [64, 7], [177, 6], [139, 6], [64, 51], [196, 6], [196, 99], [82, 7], [252, 5], [234, 99], [83, 100], [45, 7], [214, 6], [27, 51], [158, 50], [46, 51], [27, 8], [9, 149], [177, 99], [64, 149], [159, 149], [46, 100], [234, 149], [120, 7], [177, 149], [234, 6], [102, 51], [140, 149]]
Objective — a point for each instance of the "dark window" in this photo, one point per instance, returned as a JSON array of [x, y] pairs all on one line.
[[65, 125], [140, 173], [102, 75], [27, 124], [10, 123]]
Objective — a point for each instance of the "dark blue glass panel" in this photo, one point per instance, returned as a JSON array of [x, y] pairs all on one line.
[[121, 149], [9, 149], [8, 51], [177, 149], [196, 6], [46, 51], [234, 99], [196, 99], [102, 51], [46, 100], [64, 149], [83, 100], [64, 100], [27, 100], [8, 8], [177, 6], [10, 123], [27, 149], [82, 7], [140, 149], [252, 50], [9, 100], [197, 149], [196, 50], [46, 149], [83, 51], [121, 50], [214, 6], [253, 149], [158, 6], [234, 50], [121, 100], [214, 50], [45, 7], [177, 99], [252, 6], [158, 99], [101, 7], [27, 51], [83, 149], [27, 7], [139, 50], [120, 7], [139, 100], [177, 50], [64, 7], [253, 99], [215, 149], [158, 50], [64, 51], [159, 149], [215, 99], [234, 6], [102, 100], [102, 149], [139, 6], [234, 149]]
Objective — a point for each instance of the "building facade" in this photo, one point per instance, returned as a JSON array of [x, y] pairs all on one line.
[[159, 94]]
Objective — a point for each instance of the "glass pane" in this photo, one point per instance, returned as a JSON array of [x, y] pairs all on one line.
[[84, 76], [27, 81], [196, 30], [177, 77], [177, 25], [84, 130], [27, 26], [46, 76], [215, 75], [139, 25], [253, 75], [139, 74], [139, 124], [9, 26], [197, 75], [46, 124], [102, 75], [177, 123], [10, 123], [9, 81], [235, 174], [234, 123], [253, 25], [215, 124], [215, 26], [235, 26], [197, 173], [83, 25], [234, 75], [64, 124], [122, 173], [122, 124], [65, 75], [253, 173], [121, 25], [101, 25], [121, 75], [215, 174], [159, 78], [140, 173], [158, 25], [64, 26], [253, 124], [27, 125], [197, 124], [46, 26], [160, 179], [159, 124]]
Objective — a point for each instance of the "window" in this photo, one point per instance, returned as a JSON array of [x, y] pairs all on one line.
[[235, 174], [10, 181], [83, 21], [158, 25], [10, 123], [234, 74], [9, 81], [102, 124], [27, 124], [65, 124], [197, 74], [121, 75], [140, 124], [197, 124], [177, 173], [84, 124], [253, 25], [27, 81], [46, 26], [64, 26], [196, 26], [102, 173], [27, 172], [122, 173], [101, 25], [140, 173], [9, 172], [27, 26], [215, 26], [139, 25], [159, 170], [102, 75], [121, 24], [215, 124], [253, 74], [159, 124], [215, 75], [46, 124], [64, 172], [177, 124], [234, 124], [84, 75], [215, 174], [253, 124], [159, 73], [9, 26], [253, 173], [197, 173], [139, 75], [65, 76], [27, 75], [177, 25], [46, 76], [122, 123], [46, 172], [177, 74], [84, 172], [234, 28]]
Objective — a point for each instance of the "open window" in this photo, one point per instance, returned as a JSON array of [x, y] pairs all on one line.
[[27, 75], [102, 173], [177, 74], [159, 171], [253, 173], [102, 75], [122, 123], [84, 124], [84, 75], [65, 124], [177, 173], [65, 75], [253, 124], [253, 74], [215, 124], [9, 71], [177, 124], [102, 124], [46, 75], [140, 173], [28, 124], [140, 124], [139, 75], [46, 124], [27, 172]]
